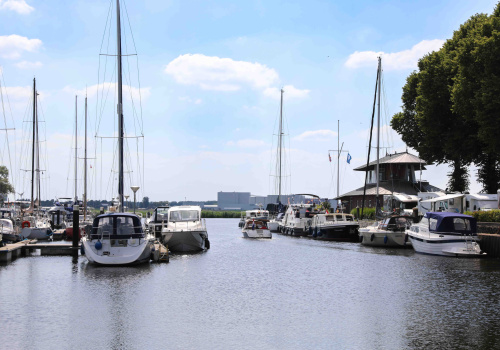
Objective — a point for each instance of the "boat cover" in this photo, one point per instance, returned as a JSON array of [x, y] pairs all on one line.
[[445, 222]]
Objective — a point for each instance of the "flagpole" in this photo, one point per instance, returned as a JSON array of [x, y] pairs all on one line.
[[339, 151]]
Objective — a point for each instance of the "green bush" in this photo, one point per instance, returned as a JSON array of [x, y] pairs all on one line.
[[220, 214], [368, 213], [485, 216]]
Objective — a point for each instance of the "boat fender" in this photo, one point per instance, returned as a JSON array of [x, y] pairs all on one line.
[[310, 230], [315, 232], [372, 237], [153, 248], [98, 245], [25, 224], [385, 239], [82, 250], [320, 233]]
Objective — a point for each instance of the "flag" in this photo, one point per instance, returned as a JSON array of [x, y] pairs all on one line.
[[329, 156], [349, 158]]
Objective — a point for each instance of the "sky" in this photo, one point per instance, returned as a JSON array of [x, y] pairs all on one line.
[[202, 90]]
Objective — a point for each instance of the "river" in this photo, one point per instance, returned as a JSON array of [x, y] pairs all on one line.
[[283, 293]]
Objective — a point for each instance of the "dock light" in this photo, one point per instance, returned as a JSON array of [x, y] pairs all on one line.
[[134, 188]]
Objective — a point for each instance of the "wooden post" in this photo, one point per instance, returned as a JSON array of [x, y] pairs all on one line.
[[76, 226]]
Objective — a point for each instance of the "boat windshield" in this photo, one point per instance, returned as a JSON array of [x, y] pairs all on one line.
[[184, 215], [123, 226], [161, 214], [6, 225]]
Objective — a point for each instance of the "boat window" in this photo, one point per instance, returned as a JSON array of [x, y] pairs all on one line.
[[349, 218], [329, 217], [105, 226], [161, 214], [432, 224], [184, 215], [339, 217], [124, 226], [461, 224]]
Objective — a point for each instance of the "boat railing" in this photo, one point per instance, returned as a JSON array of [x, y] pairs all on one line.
[[188, 225]]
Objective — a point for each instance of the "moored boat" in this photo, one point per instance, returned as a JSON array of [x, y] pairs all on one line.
[[256, 229], [334, 227], [185, 231], [388, 232], [446, 234]]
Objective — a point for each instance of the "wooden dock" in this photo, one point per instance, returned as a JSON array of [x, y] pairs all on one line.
[[26, 247]]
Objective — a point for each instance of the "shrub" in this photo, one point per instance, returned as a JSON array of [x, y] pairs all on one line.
[[485, 216], [368, 213]]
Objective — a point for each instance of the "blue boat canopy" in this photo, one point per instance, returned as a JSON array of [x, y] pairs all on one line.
[[451, 222]]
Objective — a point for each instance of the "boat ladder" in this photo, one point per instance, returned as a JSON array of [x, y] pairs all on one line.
[[469, 243]]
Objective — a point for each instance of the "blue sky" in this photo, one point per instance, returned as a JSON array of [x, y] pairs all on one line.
[[210, 74]]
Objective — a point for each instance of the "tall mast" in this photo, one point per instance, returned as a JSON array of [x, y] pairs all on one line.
[[280, 147], [37, 136], [378, 133], [76, 149], [338, 157], [85, 168], [120, 109], [33, 148]]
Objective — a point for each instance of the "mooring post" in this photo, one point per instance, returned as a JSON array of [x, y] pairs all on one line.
[[76, 226]]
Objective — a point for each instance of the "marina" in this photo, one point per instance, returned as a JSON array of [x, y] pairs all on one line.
[[283, 293]]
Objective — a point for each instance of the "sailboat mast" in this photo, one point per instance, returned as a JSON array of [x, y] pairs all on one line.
[[281, 145], [120, 109], [76, 149], [338, 157], [37, 136], [378, 132], [33, 148], [85, 168]]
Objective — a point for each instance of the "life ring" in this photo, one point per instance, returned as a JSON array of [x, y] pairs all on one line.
[[25, 224]]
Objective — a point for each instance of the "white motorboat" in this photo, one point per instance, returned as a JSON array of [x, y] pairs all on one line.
[[8, 232], [334, 227], [298, 218], [446, 234], [388, 232], [36, 228], [117, 239], [186, 231], [274, 224], [256, 229]]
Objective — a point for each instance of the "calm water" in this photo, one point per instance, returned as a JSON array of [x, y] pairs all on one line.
[[284, 293]]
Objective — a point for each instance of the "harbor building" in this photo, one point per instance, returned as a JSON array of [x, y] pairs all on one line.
[[399, 173], [247, 201]]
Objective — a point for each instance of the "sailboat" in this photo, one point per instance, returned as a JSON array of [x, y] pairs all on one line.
[[274, 224], [390, 231], [35, 226], [118, 238]]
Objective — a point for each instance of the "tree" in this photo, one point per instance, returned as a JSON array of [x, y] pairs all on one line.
[[145, 202], [5, 186], [326, 206]]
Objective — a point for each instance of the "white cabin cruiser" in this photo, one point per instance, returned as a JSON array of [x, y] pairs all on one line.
[[334, 227], [296, 219], [256, 229], [186, 231], [117, 239], [388, 232], [8, 232], [446, 234]]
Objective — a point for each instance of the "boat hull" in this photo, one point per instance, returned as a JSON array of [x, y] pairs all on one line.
[[273, 226], [134, 253], [257, 233], [185, 241], [446, 246], [41, 234], [340, 233], [381, 238]]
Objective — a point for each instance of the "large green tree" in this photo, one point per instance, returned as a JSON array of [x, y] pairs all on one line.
[[451, 109], [5, 186]]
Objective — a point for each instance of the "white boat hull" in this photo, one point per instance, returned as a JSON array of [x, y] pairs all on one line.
[[40, 234], [446, 246], [134, 253], [184, 241], [381, 238], [273, 226], [257, 233]]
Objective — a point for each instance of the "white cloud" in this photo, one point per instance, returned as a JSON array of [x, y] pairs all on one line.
[[18, 92], [247, 143], [11, 46], [28, 65], [222, 74], [406, 59], [128, 91], [19, 6], [317, 135], [290, 92], [190, 100]]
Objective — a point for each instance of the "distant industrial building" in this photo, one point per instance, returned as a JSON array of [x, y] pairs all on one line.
[[247, 201]]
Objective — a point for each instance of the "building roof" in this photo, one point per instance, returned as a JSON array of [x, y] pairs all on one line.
[[388, 187], [396, 158]]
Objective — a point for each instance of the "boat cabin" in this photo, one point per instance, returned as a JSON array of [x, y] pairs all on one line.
[[116, 226], [451, 223], [184, 213]]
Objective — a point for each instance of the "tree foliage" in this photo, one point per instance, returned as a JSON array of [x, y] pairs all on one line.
[[451, 107], [5, 186]]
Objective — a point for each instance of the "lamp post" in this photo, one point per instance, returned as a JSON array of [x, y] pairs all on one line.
[[134, 188], [126, 199]]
